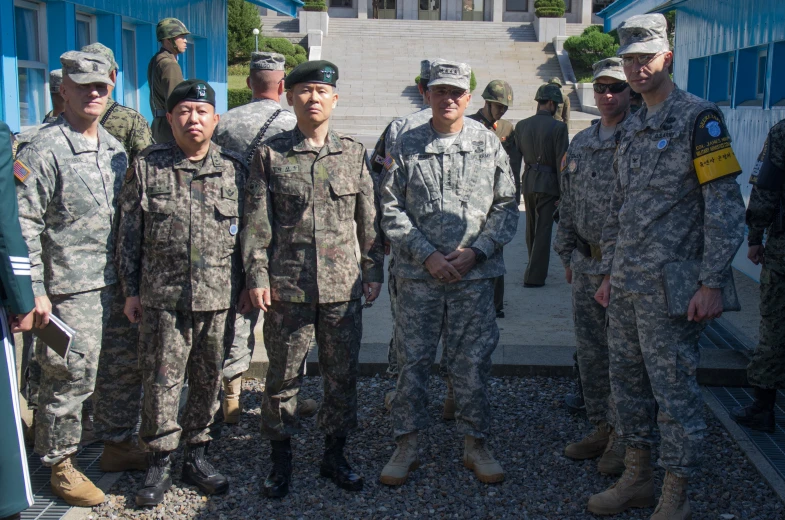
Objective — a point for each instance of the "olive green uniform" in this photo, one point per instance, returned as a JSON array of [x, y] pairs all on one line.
[[163, 74]]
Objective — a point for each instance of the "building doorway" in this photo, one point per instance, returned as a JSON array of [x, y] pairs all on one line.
[[430, 10], [386, 9], [473, 10]]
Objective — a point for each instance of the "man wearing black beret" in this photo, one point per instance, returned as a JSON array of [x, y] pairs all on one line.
[[308, 202], [178, 257]]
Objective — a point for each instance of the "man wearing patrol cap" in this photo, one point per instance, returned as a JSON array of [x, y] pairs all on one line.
[[586, 185], [243, 130], [448, 208], [70, 236], [164, 73], [542, 141], [562, 109], [55, 79], [309, 204], [179, 262], [676, 201]]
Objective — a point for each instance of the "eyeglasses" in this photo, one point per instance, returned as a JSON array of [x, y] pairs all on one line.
[[615, 88], [642, 59], [452, 93]]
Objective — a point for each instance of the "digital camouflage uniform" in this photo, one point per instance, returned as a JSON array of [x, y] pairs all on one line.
[[586, 185], [67, 208], [178, 250], [437, 199], [299, 240], [675, 199], [127, 126], [765, 214]]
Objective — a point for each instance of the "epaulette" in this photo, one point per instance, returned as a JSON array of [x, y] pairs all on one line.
[[156, 148], [346, 137], [232, 154]]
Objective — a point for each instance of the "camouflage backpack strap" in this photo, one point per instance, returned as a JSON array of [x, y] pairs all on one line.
[[258, 139], [109, 112]]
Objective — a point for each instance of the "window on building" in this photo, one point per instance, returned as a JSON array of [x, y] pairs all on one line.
[[760, 84], [31, 62], [731, 76], [697, 76], [518, 5], [130, 83], [340, 3], [567, 6], [85, 30]]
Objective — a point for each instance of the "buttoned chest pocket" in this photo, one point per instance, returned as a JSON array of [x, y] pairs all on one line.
[[343, 194], [423, 192], [78, 195], [159, 210], [288, 200], [227, 216]]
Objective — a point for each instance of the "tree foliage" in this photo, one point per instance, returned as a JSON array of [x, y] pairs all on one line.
[[243, 18], [549, 8], [588, 48]]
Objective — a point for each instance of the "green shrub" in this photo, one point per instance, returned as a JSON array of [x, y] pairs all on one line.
[[315, 5], [587, 49], [238, 69], [549, 8], [472, 82], [295, 59], [592, 29], [238, 96], [281, 45], [300, 50]]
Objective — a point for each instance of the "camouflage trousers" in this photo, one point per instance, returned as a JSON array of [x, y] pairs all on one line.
[[463, 315], [171, 344], [653, 357], [591, 341], [66, 384], [767, 365], [243, 341], [288, 330]]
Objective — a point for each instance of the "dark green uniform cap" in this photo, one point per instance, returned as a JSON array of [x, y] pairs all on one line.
[[319, 71], [191, 90], [170, 28], [549, 92], [498, 91]]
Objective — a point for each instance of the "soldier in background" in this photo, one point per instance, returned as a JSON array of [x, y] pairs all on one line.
[[164, 73], [562, 109], [766, 370], [586, 185], [446, 258], [70, 236], [179, 263], [542, 141], [58, 105], [243, 130], [309, 205]]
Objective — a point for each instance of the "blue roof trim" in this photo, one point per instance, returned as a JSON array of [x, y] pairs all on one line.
[[618, 5], [287, 7]]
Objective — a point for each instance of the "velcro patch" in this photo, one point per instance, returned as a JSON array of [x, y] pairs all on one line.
[[289, 168], [712, 154], [389, 162], [21, 171]]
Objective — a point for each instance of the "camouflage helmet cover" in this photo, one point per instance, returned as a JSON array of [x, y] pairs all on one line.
[[498, 91], [170, 28], [549, 92]]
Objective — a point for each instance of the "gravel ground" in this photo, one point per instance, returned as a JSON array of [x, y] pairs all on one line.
[[531, 428]]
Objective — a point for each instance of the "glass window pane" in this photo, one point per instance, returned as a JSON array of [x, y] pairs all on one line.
[[31, 96], [130, 98], [518, 5], [26, 34], [567, 6], [761, 74], [82, 34]]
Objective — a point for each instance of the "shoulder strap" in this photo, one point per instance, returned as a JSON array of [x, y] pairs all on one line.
[[258, 139], [109, 113]]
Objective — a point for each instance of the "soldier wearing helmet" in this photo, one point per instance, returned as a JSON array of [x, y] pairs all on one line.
[[164, 73], [562, 109]]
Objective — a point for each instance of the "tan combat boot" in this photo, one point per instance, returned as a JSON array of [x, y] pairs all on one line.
[[71, 485], [612, 461], [635, 488], [591, 446], [231, 403], [478, 458], [404, 459], [307, 408], [122, 456], [389, 397], [449, 403], [673, 504]]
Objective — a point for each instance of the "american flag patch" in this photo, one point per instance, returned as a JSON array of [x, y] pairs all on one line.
[[21, 172], [389, 162]]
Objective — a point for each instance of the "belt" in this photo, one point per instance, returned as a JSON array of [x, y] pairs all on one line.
[[159, 112], [544, 168], [587, 249]]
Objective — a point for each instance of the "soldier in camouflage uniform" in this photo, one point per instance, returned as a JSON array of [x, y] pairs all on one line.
[[58, 105], [70, 235], [766, 371], [675, 199], [308, 191], [243, 130], [448, 208], [586, 185], [164, 73], [179, 262]]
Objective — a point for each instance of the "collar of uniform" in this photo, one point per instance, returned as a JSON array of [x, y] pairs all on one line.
[[482, 119], [211, 165], [332, 142], [78, 142], [544, 113], [662, 114], [610, 143], [462, 141], [266, 101], [167, 51]]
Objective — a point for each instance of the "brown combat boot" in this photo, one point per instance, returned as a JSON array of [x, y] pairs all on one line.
[[307, 408], [122, 456], [231, 403], [71, 485], [635, 488], [404, 460], [591, 446], [478, 458], [448, 414], [612, 461], [389, 397], [673, 504]]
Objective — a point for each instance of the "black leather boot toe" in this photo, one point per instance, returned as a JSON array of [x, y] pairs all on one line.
[[276, 485], [336, 467], [157, 480], [200, 473], [760, 414]]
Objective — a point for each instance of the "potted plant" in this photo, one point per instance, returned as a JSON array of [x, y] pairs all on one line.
[[313, 17], [549, 20]]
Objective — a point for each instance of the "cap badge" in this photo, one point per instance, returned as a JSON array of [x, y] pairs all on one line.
[[327, 73], [201, 91]]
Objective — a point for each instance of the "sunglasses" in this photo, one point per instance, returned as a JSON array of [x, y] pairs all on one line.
[[453, 93], [642, 59], [615, 88]]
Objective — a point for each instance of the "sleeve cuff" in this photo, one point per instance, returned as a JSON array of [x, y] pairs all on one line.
[[260, 280], [713, 280], [755, 238], [373, 275], [39, 289], [486, 245], [422, 252]]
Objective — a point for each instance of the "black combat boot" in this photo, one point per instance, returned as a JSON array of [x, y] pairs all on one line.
[[760, 414], [277, 483], [574, 402], [336, 467], [157, 480], [200, 473]]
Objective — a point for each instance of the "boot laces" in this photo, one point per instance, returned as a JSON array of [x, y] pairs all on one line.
[[155, 471], [402, 453], [71, 473], [481, 450]]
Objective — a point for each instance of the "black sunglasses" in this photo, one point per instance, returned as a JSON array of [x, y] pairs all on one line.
[[615, 88]]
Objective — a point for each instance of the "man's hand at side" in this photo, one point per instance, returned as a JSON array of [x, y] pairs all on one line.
[[705, 305], [755, 254], [371, 291], [603, 294], [260, 298], [133, 309], [43, 308]]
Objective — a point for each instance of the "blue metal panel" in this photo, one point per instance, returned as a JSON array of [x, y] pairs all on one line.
[[696, 81], [61, 30], [777, 70], [620, 10], [287, 7], [9, 100], [718, 78], [146, 46], [110, 31]]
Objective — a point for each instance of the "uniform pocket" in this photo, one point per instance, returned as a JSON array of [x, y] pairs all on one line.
[[289, 201], [344, 196], [159, 216], [77, 197], [227, 213]]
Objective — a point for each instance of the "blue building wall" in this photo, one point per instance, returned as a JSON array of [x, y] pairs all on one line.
[[206, 19]]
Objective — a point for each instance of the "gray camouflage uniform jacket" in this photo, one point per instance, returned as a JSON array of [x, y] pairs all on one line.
[[436, 199], [67, 205], [660, 211], [178, 242], [239, 127]]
